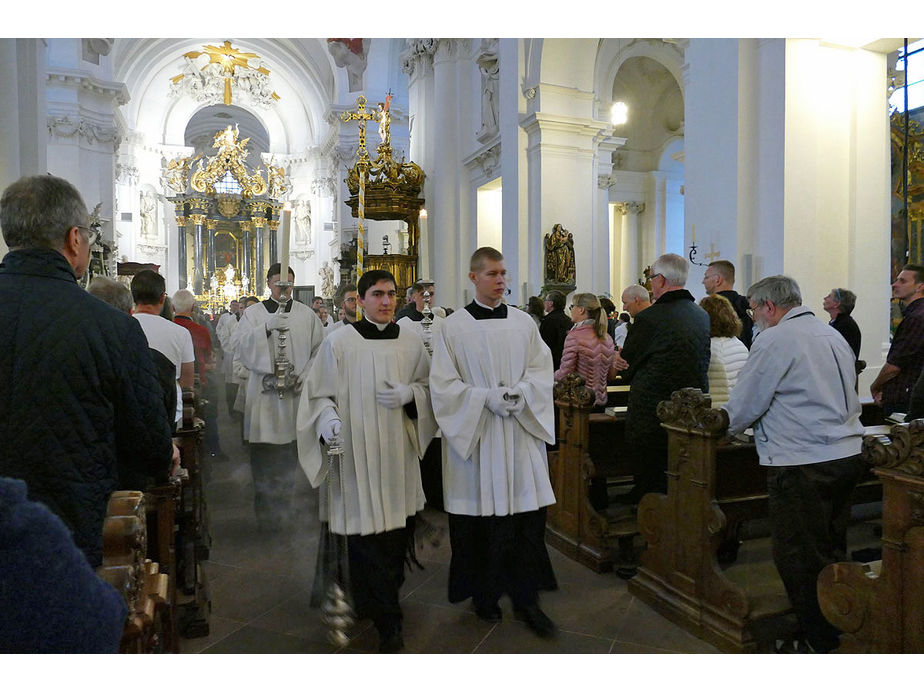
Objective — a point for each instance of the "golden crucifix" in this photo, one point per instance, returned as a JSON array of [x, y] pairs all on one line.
[[713, 254], [362, 169]]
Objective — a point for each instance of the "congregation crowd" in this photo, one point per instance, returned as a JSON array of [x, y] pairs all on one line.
[[92, 394]]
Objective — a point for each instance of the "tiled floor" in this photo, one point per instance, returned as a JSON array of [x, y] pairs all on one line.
[[260, 588]]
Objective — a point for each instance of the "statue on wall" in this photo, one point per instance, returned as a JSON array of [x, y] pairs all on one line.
[[148, 215], [489, 66], [327, 280], [559, 257], [303, 222]]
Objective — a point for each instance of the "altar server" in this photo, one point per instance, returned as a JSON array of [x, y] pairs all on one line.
[[491, 384], [368, 387], [269, 420]]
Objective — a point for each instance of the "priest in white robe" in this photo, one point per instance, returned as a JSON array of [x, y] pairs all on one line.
[[491, 385], [269, 420], [368, 388]]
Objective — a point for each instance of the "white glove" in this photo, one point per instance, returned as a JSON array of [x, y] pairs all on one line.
[[515, 401], [330, 430], [496, 402], [278, 321], [394, 396]]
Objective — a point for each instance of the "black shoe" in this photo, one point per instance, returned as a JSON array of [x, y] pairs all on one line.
[[538, 622], [391, 641], [488, 612], [793, 647]]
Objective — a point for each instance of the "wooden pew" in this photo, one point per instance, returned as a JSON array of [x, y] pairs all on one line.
[[880, 607], [573, 525], [710, 481], [125, 567]]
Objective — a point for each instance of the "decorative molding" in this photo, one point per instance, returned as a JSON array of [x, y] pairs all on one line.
[[229, 75], [606, 182], [303, 253], [635, 207], [324, 186], [151, 249], [530, 92], [71, 126], [418, 56], [487, 159], [126, 175], [81, 80]]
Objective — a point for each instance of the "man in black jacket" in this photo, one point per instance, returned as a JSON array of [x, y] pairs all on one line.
[[667, 349], [555, 325], [720, 279], [81, 411]]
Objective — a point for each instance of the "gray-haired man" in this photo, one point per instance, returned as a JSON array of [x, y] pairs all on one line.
[[797, 391]]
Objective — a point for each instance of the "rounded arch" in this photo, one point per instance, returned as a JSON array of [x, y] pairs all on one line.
[[614, 52], [300, 71]]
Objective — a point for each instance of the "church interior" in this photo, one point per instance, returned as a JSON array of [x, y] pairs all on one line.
[[210, 158]]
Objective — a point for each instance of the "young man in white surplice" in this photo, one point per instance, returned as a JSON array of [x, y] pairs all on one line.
[[368, 387], [491, 384]]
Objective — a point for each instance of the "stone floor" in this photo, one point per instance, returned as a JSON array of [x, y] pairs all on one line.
[[260, 586]]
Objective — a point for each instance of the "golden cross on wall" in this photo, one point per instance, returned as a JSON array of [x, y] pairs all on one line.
[[362, 116], [713, 254]]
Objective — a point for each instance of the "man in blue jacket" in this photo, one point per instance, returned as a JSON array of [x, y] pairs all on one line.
[[81, 410], [797, 390]]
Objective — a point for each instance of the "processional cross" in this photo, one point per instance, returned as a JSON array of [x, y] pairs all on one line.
[[362, 168]]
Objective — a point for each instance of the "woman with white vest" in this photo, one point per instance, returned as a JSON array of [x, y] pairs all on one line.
[[728, 353]]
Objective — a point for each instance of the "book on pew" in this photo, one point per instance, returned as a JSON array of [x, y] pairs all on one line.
[[613, 411], [896, 417]]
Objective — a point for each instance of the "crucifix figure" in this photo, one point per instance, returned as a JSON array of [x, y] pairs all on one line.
[[362, 116]]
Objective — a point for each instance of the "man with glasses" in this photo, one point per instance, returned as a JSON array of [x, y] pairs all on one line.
[[797, 391], [892, 387], [347, 301], [81, 413], [720, 279], [667, 349]]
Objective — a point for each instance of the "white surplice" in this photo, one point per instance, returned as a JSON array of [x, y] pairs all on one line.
[[493, 465], [267, 418], [381, 473]]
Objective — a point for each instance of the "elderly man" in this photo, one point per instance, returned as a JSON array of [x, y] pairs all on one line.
[[797, 391], [720, 279], [81, 413], [113, 292], [635, 298], [554, 327], [892, 387], [269, 420], [839, 304], [667, 349]]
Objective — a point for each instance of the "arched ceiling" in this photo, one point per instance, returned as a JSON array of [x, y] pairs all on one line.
[[300, 70]]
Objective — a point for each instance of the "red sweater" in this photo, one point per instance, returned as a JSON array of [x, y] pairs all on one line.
[[591, 357]]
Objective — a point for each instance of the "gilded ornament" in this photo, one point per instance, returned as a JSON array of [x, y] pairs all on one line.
[[228, 205]]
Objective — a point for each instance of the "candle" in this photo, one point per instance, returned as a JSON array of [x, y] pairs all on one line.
[[284, 246], [693, 238]]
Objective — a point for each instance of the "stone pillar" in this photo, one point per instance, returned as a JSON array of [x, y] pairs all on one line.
[[632, 264], [198, 220], [258, 223], [417, 62], [181, 251], [211, 225], [246, 227]]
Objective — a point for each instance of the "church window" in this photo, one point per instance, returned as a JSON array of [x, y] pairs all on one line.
[[228, 184]]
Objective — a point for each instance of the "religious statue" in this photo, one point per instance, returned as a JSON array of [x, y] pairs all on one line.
[[277, 180], [176, 174], [327, 280], [303, 222], [148, 214], [489, 66], [385, 121], [559, 256]]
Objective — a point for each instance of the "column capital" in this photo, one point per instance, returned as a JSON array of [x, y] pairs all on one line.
[[245, 225], [211, 224], [181, 221], [197, 219], [272, 224], [417, 58], [621, 207], [635, 207]]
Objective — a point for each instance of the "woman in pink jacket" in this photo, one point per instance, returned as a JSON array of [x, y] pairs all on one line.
[[589, 350]]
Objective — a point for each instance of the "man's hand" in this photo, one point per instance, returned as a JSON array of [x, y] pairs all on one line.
[[877, 395], [175, 466], [331, 430], [394, 396], [503, 401], [278, 321], [515, 401], [621, 363]]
